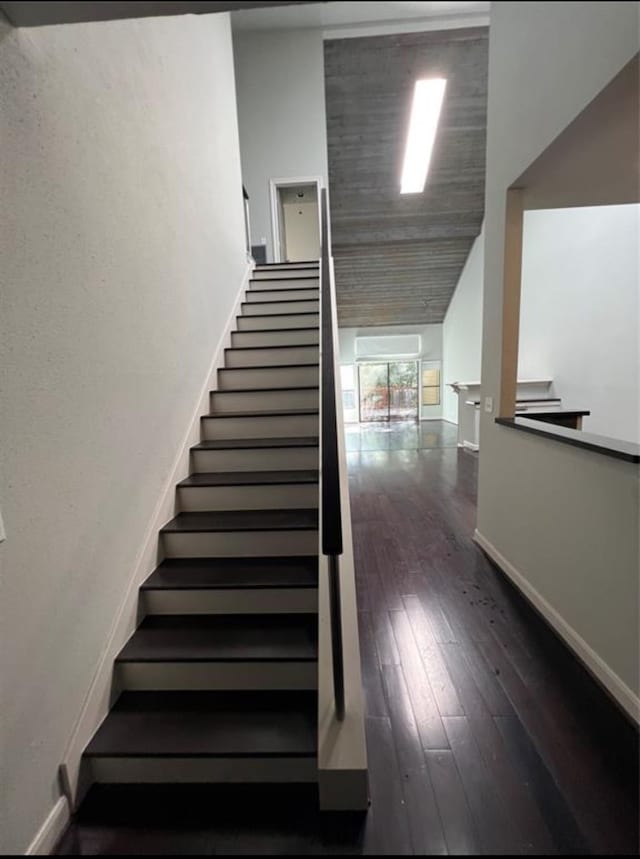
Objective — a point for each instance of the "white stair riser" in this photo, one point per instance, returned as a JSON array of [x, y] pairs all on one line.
[[264, 401], [216, 676], [284, 283], [232, 601], [296, 265], [277, 308], [240, 544], [310, 336], [279, 497], [272, 357], [282, 294], [199, 770], [258, 459], [292, 320], [276, 426], [269, 377], [286, 274]]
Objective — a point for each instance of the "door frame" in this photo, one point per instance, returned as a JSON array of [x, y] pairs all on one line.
[[274, 184]]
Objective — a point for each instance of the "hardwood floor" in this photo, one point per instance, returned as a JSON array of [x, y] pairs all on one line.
[[484, 733]]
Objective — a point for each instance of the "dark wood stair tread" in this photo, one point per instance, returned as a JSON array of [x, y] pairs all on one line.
[[272, 315], [249, 478], [283, 288], [263, 390], [249, 443], [315, 276], [262, 414], [223, 638], [254, 348], [278, 301], [266, 266], [209, 724], [302, 519], [272, 330], [229, 573], [180, 806], [269, 367]]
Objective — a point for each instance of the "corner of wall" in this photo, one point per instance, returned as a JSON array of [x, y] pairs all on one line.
[[462, 328]]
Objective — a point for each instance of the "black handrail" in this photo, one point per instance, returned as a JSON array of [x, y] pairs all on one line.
[[330, 468]]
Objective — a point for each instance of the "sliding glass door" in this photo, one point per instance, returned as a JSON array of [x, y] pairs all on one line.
[[388, 391], [374, 392]]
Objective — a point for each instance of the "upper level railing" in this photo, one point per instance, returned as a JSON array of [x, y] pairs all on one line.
[[331, 524]]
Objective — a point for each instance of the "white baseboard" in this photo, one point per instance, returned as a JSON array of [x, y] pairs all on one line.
[[469, 445], [98, 700], [617, 688], [51, 830]]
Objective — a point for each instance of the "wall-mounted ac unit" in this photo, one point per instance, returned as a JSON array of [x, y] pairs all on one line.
[[388, 347]]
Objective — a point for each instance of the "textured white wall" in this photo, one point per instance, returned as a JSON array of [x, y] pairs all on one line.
[[579, 312], [122, 246], [566, 519], [281, 114], [462, 330]]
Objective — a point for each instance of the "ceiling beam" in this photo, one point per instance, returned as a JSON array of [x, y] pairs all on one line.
[[36, 14]]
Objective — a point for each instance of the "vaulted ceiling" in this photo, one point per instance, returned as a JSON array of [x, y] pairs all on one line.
[[398, 257]]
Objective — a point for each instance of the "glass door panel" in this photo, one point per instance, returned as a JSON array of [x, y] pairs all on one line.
[[389, 391], [374, 392], [403, 390]]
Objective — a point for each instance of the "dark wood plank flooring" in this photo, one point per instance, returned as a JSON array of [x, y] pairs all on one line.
[[484, 734]]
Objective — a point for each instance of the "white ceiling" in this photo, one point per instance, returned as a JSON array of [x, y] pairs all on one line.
[[345, 15]]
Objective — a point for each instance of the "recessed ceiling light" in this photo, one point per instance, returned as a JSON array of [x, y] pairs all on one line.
[[425, 113]]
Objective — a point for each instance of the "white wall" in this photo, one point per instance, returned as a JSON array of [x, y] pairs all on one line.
[[566, 519], [281, 115], [578, 319], [431, 342], [430, 338], [122, 245], [579, 312], [462, 330]]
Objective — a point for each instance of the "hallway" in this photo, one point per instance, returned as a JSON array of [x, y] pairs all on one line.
[[484, 735]]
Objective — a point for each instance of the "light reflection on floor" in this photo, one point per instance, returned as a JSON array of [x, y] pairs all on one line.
[[400, 435]]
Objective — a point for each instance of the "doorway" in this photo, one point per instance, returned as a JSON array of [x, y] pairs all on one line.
[[388, 391], [295, 217]]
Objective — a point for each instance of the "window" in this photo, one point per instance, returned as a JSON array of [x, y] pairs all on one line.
[[431, 386]]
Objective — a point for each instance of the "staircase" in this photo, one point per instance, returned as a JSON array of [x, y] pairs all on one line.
[[219, 681]]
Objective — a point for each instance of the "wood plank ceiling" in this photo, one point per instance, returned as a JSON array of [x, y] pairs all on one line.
[[398, 257]]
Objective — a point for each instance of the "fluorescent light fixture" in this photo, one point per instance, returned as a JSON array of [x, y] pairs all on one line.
[[425, 113]]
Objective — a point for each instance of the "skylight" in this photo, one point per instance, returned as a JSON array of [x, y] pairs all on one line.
[[425, 113]]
